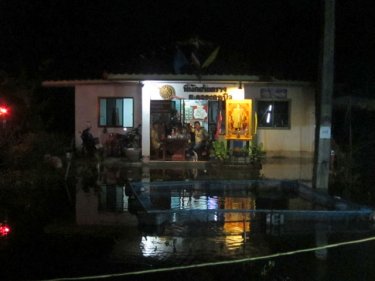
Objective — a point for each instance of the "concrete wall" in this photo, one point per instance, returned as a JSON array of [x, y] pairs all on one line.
[[87, 106], [298, 140]]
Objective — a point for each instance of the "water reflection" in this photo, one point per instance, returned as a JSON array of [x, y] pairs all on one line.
[[194, 223], [199, 220]]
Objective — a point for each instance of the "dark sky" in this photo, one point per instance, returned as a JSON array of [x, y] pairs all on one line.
[[81, 39]]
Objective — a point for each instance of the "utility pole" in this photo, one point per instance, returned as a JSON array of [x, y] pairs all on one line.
[[324, 102]]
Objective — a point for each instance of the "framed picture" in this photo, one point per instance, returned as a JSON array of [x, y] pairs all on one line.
[[238, 119]]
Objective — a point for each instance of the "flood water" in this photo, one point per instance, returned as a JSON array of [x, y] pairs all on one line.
[[136, 219]]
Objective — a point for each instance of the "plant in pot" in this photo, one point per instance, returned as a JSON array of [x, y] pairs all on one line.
[[255, 153], [220, 150]]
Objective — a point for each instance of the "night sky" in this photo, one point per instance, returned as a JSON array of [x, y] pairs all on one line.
[[81, 39]]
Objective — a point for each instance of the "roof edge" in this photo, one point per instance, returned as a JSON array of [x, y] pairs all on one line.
[[73, 83], [181, 77], [130, 79]]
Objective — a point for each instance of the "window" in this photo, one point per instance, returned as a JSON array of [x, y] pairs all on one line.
[[116, 112], [273, 114]]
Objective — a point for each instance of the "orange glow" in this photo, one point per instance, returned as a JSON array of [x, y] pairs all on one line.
[[238, 121], [238, 222]]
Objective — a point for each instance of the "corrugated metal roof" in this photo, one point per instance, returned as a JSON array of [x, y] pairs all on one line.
[[139, 77], [181, 77], [72, 83]]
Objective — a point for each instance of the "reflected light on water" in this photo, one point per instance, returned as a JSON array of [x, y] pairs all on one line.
[[194, 202], [228, 234], [234, 242], [197, 222], [235, 222], [154, 245]]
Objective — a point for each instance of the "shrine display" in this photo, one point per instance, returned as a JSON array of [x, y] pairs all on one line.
[[238, 119]]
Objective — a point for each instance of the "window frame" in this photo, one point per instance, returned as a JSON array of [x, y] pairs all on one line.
[[122, 124], [274, 101]]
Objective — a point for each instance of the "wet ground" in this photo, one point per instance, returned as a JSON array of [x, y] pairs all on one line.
[[110, 235]]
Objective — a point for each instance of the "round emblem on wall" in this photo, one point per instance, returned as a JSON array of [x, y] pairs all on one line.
[[167, 92]]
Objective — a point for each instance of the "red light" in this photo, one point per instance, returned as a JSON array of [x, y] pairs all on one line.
[[3, 110], [4, 229]]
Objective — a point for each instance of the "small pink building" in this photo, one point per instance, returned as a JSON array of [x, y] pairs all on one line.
[[284, 110]]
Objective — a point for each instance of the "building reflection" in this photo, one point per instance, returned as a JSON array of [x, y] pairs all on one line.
[[204, 218], [195, 210], [238, 223], [113, 198], [193, 215]]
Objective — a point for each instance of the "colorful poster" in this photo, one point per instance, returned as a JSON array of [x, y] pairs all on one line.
[[238, 119], [196, 110]]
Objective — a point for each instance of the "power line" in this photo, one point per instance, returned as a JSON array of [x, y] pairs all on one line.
[[210, 264]]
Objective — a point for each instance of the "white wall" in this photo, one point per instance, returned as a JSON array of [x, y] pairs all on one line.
[[298, 140]]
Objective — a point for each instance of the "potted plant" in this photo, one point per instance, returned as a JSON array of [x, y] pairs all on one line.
[[220, 150], [255, 152]]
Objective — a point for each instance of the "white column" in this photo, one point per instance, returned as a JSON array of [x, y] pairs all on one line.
[[146, 100]]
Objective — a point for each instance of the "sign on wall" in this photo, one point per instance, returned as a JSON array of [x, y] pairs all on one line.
[[167, 92], [273, 93]]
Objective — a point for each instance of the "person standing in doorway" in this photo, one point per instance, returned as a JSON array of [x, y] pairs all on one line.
[[155, 137], [200, 139]]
